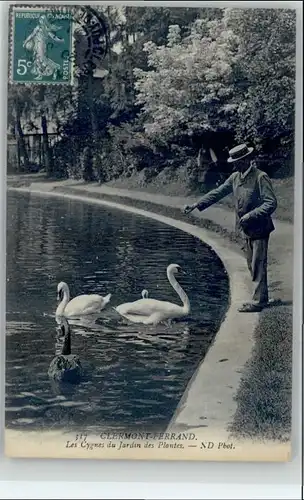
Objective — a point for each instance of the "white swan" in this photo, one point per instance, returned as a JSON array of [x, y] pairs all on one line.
[[151, 311], [82, 305], [145, 294]]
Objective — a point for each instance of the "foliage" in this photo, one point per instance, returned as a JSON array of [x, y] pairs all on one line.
[[188, 87], [175, 81], [265, 64]]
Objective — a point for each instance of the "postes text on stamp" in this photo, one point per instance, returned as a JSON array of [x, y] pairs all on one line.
[[41, 46]]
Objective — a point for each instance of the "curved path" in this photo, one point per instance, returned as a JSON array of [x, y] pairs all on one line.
[[208, 404]]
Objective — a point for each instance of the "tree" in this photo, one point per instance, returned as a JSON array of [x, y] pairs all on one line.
[[188, 87], [265, 79], [19, 104], [131, 27], [152, 24], [43, 107], [87, 61], [52, 107], [177, 82]]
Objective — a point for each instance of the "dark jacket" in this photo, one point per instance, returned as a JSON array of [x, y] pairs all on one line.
[[253, 195]]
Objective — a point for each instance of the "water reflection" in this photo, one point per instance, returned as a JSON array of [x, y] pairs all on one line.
[[65, 367], [134, 374], [63, 337]]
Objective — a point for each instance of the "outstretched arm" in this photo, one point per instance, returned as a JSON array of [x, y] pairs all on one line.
[[55, 37], [213, 196]]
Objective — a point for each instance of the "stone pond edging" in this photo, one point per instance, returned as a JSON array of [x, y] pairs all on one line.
[[208, 402]]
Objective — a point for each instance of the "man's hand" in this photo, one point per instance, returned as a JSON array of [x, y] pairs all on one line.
[[189, 208], [245, 218]]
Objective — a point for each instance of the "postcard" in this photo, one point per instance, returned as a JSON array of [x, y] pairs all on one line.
[[150, 188]]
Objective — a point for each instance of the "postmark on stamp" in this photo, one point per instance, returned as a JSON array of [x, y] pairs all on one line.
[[42, 45], [91, 35], [51, 44]]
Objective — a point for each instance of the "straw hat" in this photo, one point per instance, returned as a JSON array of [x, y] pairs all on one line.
[[239, 152]]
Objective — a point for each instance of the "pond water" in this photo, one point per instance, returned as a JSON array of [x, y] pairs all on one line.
[[135, 375]]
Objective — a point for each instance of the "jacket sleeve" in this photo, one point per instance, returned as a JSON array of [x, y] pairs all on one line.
[[216, 194], [269, 201]]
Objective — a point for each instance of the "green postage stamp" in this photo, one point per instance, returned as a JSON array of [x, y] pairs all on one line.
[[41, 45]]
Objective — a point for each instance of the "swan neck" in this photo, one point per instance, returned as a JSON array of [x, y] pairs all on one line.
[[64, 302], [63, 342], [66, 348], [66, 294], [181, 293]]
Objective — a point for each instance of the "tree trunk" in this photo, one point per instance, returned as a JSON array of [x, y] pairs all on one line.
[[88, 174], [19, 166], [47, 154], [90, 101], [48, 163], [87, 164], [39, 152], [23, 159]]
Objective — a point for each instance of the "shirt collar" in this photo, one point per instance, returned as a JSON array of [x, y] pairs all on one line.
[[244, 174]]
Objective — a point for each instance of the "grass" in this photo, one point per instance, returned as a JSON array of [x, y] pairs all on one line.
[[283, 188], [264, 395]]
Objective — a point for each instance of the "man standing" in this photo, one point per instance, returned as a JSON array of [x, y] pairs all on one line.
[[255, 201]]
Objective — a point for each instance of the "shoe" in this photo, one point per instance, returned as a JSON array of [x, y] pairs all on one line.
[[250, 308], [272, 302]]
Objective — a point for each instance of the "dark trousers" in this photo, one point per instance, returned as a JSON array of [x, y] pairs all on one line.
[[256, 253]]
